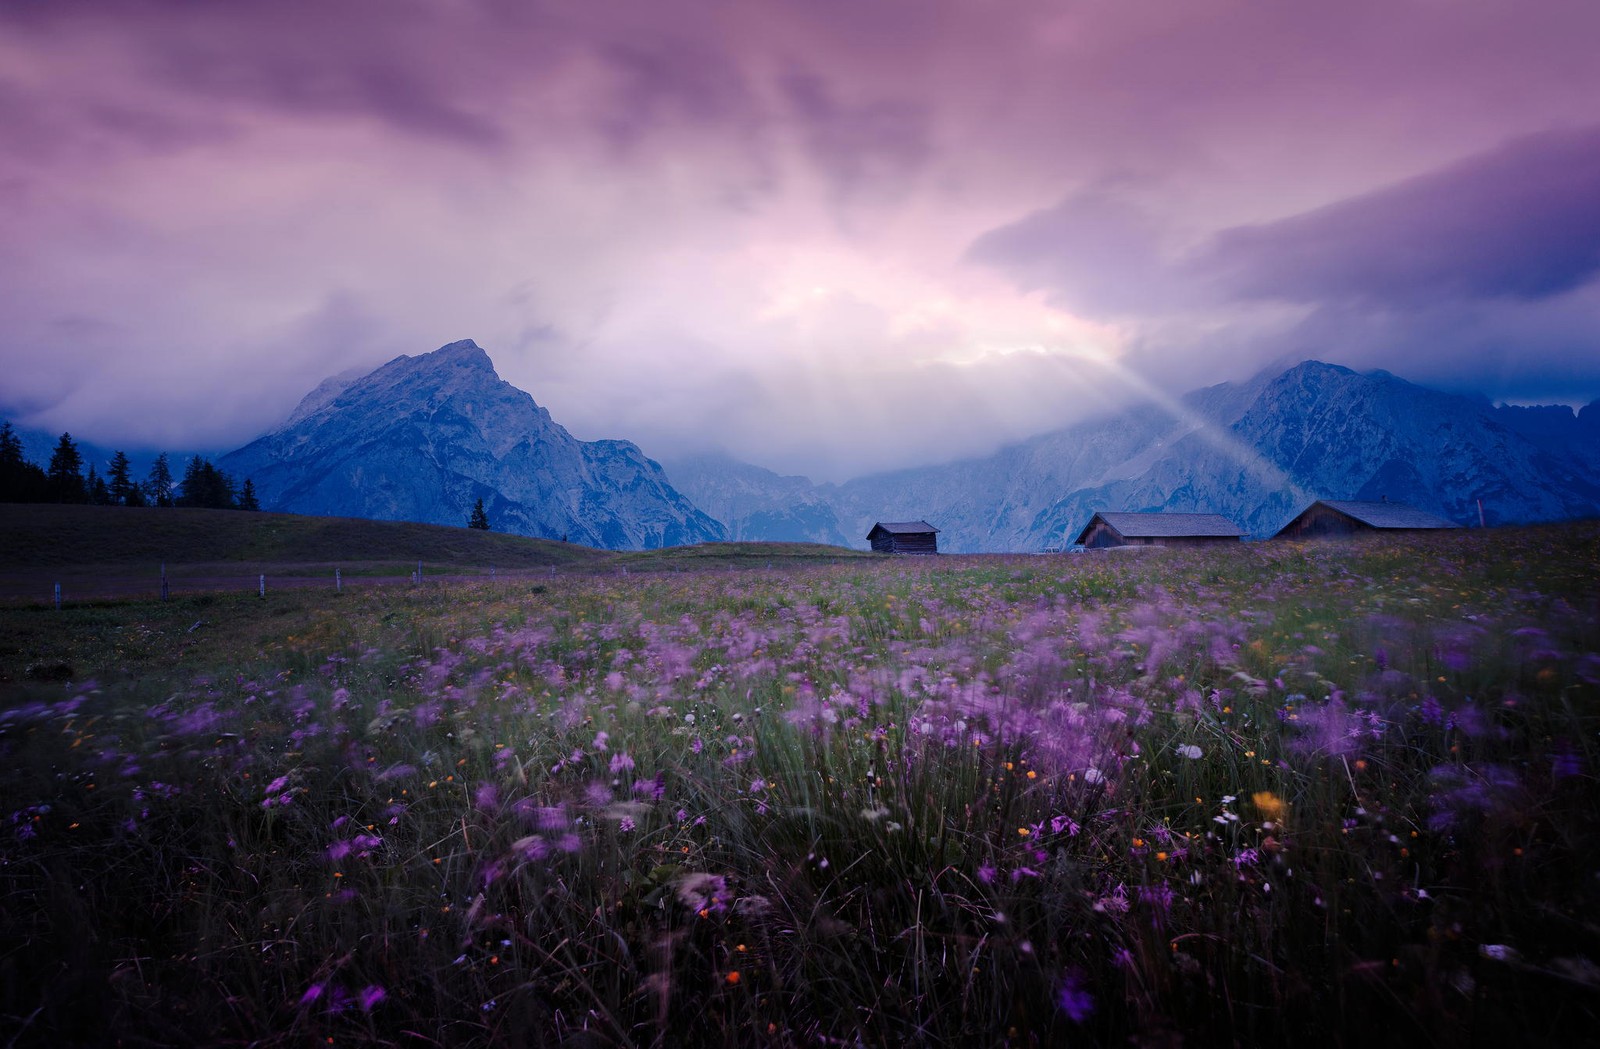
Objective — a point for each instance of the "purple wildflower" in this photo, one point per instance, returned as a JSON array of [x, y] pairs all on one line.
[[704, 892], [1073, 998], [1064, 823], [486, 796]]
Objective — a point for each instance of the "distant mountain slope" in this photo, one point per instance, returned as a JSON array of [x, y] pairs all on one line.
[[1256, 452], [422, 438], [755, 503]]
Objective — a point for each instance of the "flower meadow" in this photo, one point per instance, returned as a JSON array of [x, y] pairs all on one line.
[[1334, 793]]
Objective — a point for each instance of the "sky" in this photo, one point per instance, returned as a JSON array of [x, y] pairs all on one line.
[[824, 236]]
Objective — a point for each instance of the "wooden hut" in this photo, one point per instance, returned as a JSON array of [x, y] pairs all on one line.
[[1158, 529], [1335, 518], [904, 537]]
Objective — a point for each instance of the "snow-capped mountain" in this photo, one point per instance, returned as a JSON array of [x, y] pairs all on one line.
[[1256, 452], [422, 438]]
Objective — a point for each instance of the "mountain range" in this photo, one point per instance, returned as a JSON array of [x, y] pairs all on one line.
[[1256, 452], [422, 438]]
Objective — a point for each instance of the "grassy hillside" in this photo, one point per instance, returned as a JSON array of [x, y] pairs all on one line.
[[99, 552], [42, 536]]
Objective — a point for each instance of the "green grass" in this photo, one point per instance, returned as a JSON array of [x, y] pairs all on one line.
[[1311, 795]]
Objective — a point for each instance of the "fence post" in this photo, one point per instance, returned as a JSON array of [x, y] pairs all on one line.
[[165, 593], [419, 571], [58, 597], [338, 584], [263, 585]]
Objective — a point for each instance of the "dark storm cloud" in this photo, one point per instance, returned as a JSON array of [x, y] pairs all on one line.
[[1522, 221]]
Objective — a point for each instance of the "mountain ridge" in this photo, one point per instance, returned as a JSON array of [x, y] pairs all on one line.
[[1257, 451], [421, 438]]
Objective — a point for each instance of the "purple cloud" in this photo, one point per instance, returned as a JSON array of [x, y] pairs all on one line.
[[1521, 221], [666, 83], [1097, 252], [654, 212], [860, 144]]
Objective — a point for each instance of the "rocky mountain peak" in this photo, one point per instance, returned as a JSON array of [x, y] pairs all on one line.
[[422, 438], [463, 353]]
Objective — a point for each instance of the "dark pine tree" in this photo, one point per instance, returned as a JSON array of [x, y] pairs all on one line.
[[99, 493], [191, 490], [122, 486], [206, 486], [20, 480], [247, 496], [158, 487], [65, 473], [479, 518]]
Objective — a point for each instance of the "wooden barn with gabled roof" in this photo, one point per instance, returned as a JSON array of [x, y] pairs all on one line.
[[1111, 528], [1336, 518], [904, 537]]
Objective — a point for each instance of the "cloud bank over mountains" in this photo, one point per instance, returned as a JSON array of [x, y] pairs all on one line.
[[1444, 274]]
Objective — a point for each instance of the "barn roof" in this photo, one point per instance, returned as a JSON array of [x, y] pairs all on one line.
[[1386, 515], [903, 528], [1165, 526]]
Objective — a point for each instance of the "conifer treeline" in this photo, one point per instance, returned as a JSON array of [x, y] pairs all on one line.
[[64, 480]]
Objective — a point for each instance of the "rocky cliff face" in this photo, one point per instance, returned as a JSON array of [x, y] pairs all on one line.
[[1257, 452], [422, 438]]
